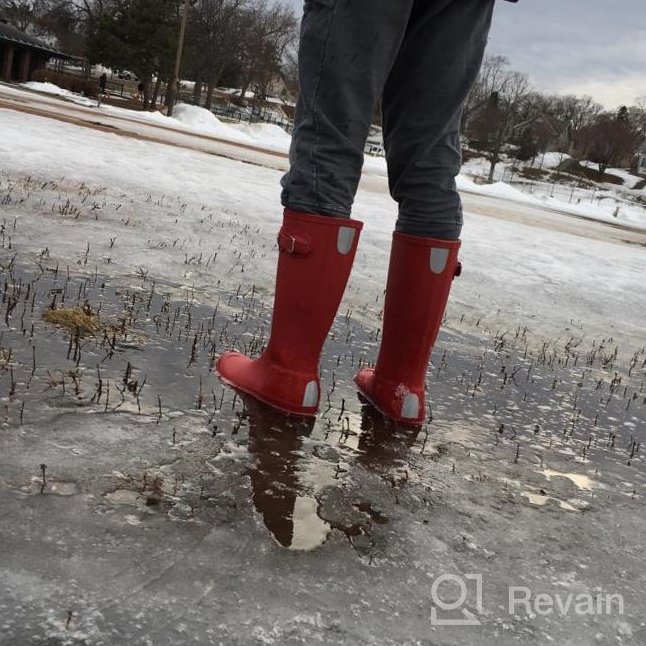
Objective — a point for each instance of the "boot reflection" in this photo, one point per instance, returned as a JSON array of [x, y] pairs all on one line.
[[382, 441], [275, 442]]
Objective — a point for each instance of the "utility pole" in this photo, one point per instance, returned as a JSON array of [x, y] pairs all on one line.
[[173, 90]]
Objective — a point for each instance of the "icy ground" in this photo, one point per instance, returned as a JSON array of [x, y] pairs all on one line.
[[143, 503]]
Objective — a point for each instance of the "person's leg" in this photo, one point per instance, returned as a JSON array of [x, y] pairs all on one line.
[[423, 98], [422, 103], [347, 50]]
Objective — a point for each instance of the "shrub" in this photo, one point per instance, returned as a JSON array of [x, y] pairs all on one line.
[[71, 82]]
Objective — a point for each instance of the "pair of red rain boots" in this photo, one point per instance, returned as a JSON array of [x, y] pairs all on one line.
[[316, 256]]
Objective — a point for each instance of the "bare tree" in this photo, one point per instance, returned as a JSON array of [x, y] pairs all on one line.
[[579, 112], [491, 79], [267, 34], [493, 125], [214, 34], [609, 141], [20, 13], [637, 116]]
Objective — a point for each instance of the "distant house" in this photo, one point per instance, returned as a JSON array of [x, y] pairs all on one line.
[[22, 54], [641, 159], [375, 142], [546, 132]]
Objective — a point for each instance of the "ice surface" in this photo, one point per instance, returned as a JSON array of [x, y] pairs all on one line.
[[174, 512]]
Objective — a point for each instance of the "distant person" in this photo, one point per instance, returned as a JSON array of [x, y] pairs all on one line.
[[421, 57], [140, 90], [103, 82]]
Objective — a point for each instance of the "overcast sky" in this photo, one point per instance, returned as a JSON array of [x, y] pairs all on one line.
[[595, 47]]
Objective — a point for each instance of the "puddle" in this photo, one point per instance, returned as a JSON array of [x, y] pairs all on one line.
[[541, 499], [125, 497], [538, 499], [54, 487], [578, 479], [506, 400]]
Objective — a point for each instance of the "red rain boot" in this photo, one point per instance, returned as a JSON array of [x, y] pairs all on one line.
[[419, 280], [316, 255]]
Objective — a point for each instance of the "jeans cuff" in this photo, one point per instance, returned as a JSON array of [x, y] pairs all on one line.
[[317, 208]]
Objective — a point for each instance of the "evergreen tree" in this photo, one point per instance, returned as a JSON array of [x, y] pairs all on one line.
[[138, 35]]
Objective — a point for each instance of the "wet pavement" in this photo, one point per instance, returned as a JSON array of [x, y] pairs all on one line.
[[145, 503]]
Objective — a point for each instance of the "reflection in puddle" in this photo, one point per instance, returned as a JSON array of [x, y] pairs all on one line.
[[278, 492], [295, 488], [309, 530], [540, 499], [580, 480]]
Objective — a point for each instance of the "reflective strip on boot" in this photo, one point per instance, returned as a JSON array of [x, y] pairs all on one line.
[[345, 240], [311, 395], [439, 259], [410, 406]]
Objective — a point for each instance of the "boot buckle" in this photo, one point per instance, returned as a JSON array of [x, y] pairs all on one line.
[[292, 244]]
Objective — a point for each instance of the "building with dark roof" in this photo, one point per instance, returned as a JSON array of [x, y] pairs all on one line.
[[21, 54], [641, 159]]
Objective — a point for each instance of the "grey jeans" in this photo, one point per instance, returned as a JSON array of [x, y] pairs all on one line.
[[421, 57]]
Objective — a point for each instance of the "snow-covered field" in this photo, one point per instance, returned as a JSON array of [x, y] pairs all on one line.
[[167, 504], [625, 203], [608, 202]]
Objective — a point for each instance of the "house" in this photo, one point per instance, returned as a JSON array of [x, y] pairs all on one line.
[[641, 159], [545, 133], [22, 54]]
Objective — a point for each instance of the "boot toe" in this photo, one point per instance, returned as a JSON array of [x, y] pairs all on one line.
[[232, 368]]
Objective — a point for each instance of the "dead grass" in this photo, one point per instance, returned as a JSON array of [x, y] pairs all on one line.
[[72, 319], [566, 178], [533, 173], [573, 167]]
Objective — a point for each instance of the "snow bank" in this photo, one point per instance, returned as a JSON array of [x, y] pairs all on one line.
[[267, 135], [50, 88], [197, 118], [629, 180], [606, 212], [466, 184], [265, 131], [202, 121], [506, 192], [548, 161]]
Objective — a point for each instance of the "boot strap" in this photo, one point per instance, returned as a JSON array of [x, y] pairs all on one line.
[[293, 244]]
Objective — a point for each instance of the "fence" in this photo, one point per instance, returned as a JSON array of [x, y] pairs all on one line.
[[232, 112], [573, 192]]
